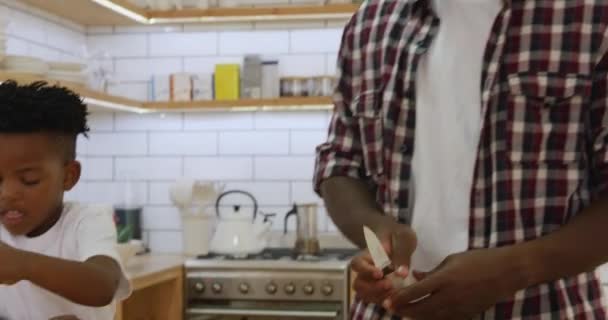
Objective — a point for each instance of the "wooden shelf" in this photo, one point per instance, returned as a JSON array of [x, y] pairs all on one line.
[[84, 12], [90, 13], [291, 103], [275, 13], [96, 100], [99, 101]]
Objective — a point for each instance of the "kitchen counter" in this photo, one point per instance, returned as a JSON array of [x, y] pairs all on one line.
[[157, 282], [147, 270]]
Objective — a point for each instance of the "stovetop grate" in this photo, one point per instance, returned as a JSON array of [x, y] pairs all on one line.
[[337, 254]]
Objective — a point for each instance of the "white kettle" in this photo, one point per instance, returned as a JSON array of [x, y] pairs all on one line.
[[239, 234]]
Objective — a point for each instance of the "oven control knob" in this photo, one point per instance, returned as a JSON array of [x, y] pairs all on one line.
[[244, 288], [199, 287], [309, 289], [327, 289], [216, 288], [290, 288], [271, 288]]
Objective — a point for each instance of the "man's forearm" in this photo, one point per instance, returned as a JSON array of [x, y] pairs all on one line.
[[579, 246], [351, 205], [83, 283]]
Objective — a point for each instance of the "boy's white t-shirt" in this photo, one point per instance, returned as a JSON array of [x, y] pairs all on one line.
[[82, 232]]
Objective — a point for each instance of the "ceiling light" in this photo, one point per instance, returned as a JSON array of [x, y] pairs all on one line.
[[114, 106], [269, 17], [142, 18], [122, 10]]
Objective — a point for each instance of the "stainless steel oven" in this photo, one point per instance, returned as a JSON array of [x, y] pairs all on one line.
[[281, 287]]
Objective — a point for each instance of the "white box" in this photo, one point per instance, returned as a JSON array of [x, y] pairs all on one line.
[[270, 80], [202, 87], [160, 88], [181, 87], [251, 77]]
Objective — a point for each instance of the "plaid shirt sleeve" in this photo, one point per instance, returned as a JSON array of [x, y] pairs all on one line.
[[599, 129], [341, 154]]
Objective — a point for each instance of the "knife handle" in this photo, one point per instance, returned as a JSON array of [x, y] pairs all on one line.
[[399, 282]]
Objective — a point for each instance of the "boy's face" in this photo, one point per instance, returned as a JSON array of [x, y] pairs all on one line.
[[34, 174]]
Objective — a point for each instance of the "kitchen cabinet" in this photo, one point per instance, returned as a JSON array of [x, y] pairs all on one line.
[[158, 289]]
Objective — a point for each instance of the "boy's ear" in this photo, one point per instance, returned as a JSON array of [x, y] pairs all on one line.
[[72, 174]]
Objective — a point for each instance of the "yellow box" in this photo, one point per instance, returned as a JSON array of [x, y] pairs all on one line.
[[227, 82]]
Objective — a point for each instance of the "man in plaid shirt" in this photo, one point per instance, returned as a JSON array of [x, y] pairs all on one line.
[[493, 195]]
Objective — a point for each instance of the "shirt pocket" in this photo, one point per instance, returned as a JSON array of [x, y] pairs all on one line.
[[366, 112], [545, 117]]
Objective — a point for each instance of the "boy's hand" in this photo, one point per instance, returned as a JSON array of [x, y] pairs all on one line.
[[11, 265]]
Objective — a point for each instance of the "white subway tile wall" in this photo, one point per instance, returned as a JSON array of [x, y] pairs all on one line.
[[135, 90], [254, 143], [303, 48], [262, 42], [183, 143], [183, 44], [119, 45], [142, 69], [270, 154], [31, 32]]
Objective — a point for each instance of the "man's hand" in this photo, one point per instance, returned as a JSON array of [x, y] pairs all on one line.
[[462, 286], [11, 264], [399, 241]]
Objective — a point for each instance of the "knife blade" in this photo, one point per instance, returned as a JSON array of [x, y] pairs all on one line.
[[376, 250], [382, 261]]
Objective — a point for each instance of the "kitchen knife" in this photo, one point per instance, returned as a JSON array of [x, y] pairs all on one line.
[[382, 261], [376, 250]]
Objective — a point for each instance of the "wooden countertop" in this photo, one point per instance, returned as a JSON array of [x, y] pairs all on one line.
[[158, 288], [150, 269]]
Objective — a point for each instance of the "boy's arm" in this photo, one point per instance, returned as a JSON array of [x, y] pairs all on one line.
[[72, 280], [95, 279]]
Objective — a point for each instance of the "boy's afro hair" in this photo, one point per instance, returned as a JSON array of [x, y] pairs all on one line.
[[41, 108]]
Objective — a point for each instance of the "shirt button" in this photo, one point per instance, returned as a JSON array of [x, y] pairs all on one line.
[[422, 46]]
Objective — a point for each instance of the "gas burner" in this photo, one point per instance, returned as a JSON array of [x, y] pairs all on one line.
[[219, 256], [285, 254], [308, 257]]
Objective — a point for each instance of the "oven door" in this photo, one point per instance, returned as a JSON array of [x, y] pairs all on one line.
[[265, 311]]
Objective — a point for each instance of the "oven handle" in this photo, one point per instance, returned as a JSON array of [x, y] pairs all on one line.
[[263, 313]]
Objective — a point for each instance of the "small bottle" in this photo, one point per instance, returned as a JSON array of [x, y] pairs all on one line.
[[127, 214]]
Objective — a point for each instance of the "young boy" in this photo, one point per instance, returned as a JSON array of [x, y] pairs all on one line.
[[57, 259]]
